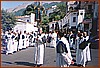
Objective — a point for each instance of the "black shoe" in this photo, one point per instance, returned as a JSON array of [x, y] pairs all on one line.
[[14, 52], [79, 65], [74, 60], [39, 65], [74, 64]]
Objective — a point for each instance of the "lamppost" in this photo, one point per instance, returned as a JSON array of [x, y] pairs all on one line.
[[38, 13]]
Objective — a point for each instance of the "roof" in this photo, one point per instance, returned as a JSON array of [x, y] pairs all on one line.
[[23, 16]]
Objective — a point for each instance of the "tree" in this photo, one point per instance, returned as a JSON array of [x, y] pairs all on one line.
[[8, 20], [52, 16], [88, 16], [57, 17], [45, 20], [62, 8], [59, 12]]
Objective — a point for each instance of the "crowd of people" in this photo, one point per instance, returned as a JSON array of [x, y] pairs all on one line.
[[16, 41], [62, 42], [80, 43]]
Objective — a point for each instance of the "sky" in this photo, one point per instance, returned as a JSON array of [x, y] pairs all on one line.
[[12, 4]]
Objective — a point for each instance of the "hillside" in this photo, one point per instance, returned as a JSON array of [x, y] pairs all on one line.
[[19, 12], [20, 9], [46, 5]]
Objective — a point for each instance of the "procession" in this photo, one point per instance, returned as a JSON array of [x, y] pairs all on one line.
[[17, 41], [64, 34]]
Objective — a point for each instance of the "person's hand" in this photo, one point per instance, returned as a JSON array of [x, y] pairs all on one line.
[[36, 39], [72, 62]]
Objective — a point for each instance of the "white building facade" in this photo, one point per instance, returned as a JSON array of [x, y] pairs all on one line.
[[26, 23]]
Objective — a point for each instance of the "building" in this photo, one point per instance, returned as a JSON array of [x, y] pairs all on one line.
[[26, 23], [91, 16], [87, 15], [50, 10], [72, 20], [71, 5]]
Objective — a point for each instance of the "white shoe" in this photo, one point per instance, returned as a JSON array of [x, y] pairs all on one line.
[[11, 53], [89, 60], [84, 65], [6, 53]]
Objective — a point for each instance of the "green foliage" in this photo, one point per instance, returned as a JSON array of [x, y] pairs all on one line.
[[62, 7], [8, 20], [45, 20], [57, 17], [59, 12], [88, 16], [46, 5]]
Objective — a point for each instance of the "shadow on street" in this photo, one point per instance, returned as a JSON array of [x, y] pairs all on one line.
[[7, 62], [25, 63]]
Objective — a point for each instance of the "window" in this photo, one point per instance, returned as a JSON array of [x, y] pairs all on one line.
[[96, 14], [68, 20], [74, 13], [74, 19], [89, 7], [71, 8], [27, 20]]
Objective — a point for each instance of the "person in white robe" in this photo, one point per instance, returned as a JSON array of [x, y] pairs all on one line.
[[15, 42], [85, 54], [44, 39], [64, 59], [10, 45], [88, 54], [39, 50], [54, 39], [6, 39], [71, 39], [34, 39], [24, 39], [46, 34], [49, 39], [27, 40], [20, 42], [30, 39], [78, 51]]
